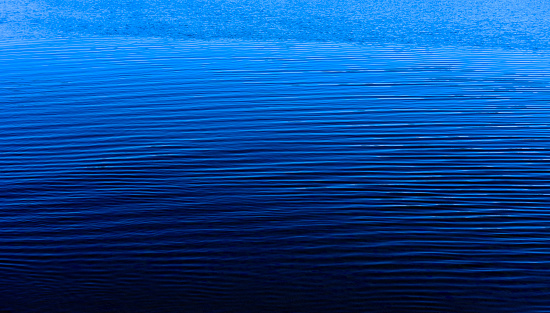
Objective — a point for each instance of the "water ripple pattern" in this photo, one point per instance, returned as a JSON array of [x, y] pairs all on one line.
[[156, 175]]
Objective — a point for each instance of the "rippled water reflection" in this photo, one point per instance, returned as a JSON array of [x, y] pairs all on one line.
[[154, 175]]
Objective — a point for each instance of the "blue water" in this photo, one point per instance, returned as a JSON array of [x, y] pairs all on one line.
[[274, 156]]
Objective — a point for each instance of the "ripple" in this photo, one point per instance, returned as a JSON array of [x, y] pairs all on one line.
[[154, 175]]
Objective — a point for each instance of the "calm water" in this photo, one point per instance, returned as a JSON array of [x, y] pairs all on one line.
[[261, 172]]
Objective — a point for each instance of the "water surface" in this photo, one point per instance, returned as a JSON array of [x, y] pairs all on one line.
[[223, 174]]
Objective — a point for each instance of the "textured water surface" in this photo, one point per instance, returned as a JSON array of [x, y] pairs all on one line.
[[486, 23], [153, 175], [274, 156]]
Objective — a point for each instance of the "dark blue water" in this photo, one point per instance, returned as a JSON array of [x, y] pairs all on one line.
[[235, 168]]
